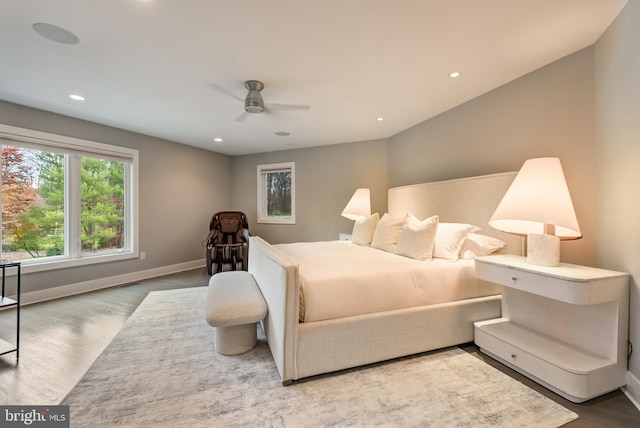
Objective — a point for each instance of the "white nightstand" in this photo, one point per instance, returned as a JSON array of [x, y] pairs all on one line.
[[565, 327], [344, 236]]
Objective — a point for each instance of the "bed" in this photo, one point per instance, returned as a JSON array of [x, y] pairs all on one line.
[[311, 334]]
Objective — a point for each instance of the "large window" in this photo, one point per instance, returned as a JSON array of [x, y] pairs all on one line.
[[276, 193], [66, 201]]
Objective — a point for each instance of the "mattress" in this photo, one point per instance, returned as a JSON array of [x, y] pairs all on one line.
[[340, 279]]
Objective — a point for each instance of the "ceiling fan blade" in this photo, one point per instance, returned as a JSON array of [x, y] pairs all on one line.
[[276, 106], [226, 92], [241, 117]]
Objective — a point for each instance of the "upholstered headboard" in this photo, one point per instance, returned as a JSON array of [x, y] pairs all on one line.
[[465, 200]]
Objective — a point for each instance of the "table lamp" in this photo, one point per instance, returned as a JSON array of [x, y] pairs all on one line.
[[538, 205], [359, 206]]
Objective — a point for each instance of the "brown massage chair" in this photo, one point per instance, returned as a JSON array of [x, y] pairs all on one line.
[[228, 242]]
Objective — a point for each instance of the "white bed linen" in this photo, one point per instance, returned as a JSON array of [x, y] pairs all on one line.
[[340, 279]]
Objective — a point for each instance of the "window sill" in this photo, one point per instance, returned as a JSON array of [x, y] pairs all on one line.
[[277, 220], [32, 266]]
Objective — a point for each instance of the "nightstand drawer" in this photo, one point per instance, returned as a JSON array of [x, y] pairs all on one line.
[[565, 290], [578, 285], [517, 278], [574, 384]]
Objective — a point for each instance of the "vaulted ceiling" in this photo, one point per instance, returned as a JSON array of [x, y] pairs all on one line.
[[176, 69]]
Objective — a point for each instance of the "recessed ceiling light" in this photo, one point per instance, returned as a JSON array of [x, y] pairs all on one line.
[[218, 140], [283, 134], [55, 33], [454, 74], [76, 97], [380, 119]]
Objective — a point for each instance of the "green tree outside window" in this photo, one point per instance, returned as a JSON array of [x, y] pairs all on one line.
[[33, 203]]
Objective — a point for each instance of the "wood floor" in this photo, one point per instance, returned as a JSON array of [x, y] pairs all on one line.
[[60, 340]]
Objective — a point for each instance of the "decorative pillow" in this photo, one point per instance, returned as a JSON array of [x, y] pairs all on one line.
[[477, 245], [387, 233], [363, 230], [449, 239], [417, 238]]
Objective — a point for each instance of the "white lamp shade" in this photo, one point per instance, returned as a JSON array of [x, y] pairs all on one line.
[[538, 198], [359, 205]]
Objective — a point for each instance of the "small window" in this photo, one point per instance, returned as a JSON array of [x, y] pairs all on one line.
[[276, 193]]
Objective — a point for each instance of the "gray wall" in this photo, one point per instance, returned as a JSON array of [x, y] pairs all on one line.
[[617, 62], [326, 178], [550, 112], [180, 187]]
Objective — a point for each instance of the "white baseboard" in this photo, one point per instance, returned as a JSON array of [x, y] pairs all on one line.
[[632, 389], [111, 281]]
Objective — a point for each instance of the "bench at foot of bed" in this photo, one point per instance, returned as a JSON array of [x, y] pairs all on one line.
[[234, 307]]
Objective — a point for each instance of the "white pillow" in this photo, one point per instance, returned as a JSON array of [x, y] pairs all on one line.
[[363, 230], [417, 238], [477, 245], [387, 233], [449, 239]]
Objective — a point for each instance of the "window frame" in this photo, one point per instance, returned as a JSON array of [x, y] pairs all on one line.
[[74, 148], [263, 216]]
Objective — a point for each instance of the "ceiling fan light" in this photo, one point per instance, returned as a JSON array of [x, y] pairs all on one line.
[[254, 102], [252, 105], [253, 108]]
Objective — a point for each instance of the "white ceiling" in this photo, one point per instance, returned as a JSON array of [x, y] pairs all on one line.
[[166, 68]]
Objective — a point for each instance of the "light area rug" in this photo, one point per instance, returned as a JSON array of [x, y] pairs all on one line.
[[161, 370]]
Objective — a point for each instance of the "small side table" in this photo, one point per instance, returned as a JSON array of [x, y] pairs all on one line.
[[565, 327], [7, 302]]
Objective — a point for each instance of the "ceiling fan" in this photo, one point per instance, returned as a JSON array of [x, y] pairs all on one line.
[[254, 103]]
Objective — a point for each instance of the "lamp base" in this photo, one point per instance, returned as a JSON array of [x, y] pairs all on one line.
[[543, 250]]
